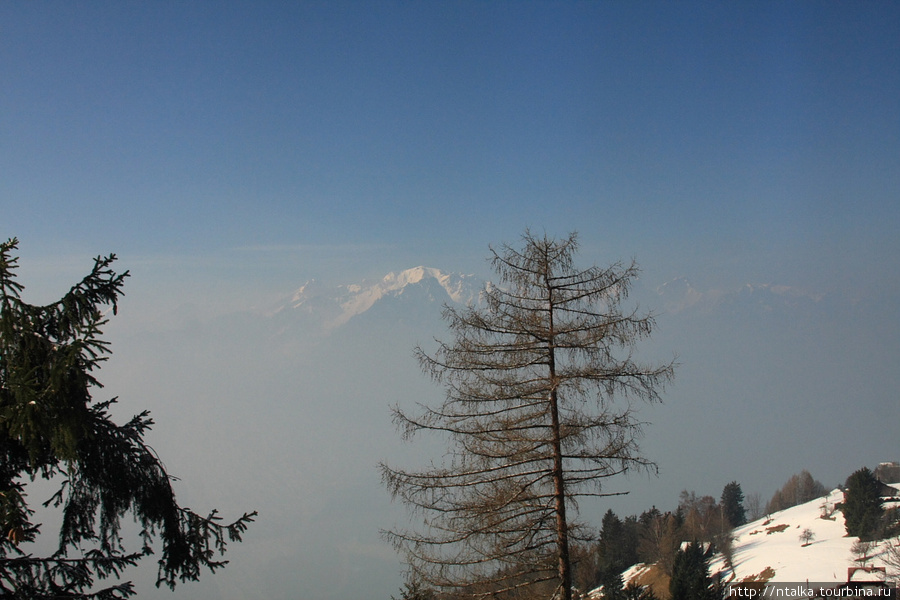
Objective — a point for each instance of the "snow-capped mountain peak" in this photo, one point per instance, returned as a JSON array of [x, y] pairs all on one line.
[[462, 289], [678, 294], [334, 306], [414, 275]]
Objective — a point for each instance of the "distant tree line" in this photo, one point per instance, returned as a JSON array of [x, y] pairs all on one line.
[[799, 489], [679, 542]]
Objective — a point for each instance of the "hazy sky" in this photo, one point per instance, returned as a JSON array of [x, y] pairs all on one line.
[[228, 151]]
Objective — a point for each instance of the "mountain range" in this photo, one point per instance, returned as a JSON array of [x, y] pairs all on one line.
[[679, 295], [333, 306]]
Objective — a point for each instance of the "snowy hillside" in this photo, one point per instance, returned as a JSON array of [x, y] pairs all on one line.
[[772, 550]]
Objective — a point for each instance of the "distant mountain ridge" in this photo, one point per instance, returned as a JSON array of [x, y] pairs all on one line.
[[679, 294], [334, 306]]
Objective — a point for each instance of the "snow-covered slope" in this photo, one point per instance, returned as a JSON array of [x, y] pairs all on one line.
[[771, 550], [773, 546]]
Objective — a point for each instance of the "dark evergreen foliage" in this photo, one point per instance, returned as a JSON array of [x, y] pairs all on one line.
[[51, 428], [613, 586], [415, 590], [733, 504], [690, 575], [614, 589], [617, 546], [637, 592], [862, 505]]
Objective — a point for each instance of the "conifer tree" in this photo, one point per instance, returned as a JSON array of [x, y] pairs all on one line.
[[634, 591], [862, 505], [413, 590], [690, 575], [50, 427], [538, 412], [617, 545], [733, 504]]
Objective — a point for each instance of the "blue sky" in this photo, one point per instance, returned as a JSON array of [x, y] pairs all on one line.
[[167, 128], [228, 151]]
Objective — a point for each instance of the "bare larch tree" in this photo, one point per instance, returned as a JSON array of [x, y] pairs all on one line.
[[541, 383]]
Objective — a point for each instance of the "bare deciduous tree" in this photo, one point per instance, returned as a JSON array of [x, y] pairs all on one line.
[[807, 536], [538, 412], [891, 556], [754, 506], [863, 550]]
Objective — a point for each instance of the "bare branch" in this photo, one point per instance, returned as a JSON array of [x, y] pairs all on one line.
[[539, 383]]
